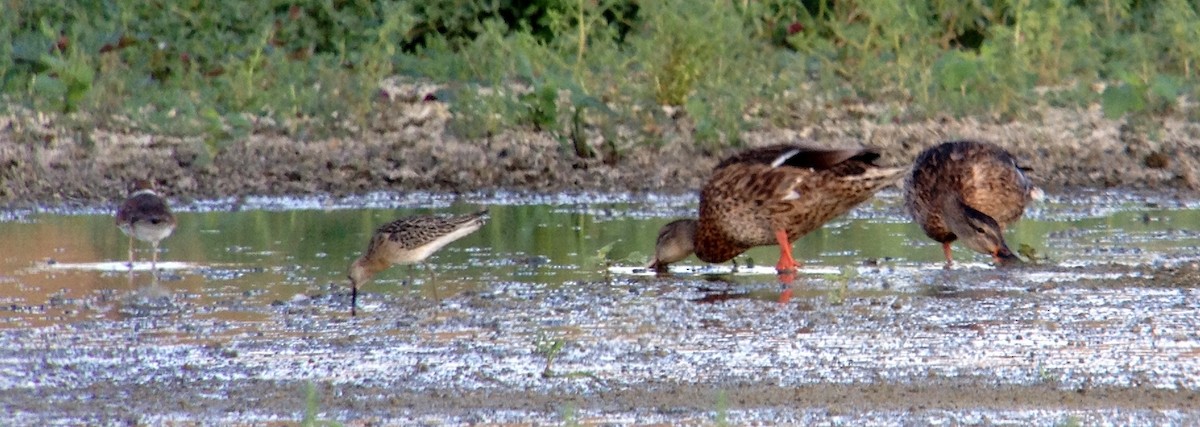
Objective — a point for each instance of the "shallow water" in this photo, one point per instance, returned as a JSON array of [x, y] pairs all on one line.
[[254, 290]]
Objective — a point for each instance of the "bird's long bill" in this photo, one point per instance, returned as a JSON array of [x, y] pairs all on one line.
[[353, 298]]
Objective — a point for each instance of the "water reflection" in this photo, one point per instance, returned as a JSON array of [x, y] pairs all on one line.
[[58, 266]]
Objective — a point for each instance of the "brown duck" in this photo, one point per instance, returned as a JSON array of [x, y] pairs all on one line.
[[772, 196], [408, 240], [968, 191]]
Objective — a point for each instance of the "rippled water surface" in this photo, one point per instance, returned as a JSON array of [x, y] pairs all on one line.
[[549, 298]]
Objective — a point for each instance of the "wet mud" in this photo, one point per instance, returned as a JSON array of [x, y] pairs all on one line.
[[895, 344]]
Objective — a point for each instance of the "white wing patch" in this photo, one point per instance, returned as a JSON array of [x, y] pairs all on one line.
[[783, 157]]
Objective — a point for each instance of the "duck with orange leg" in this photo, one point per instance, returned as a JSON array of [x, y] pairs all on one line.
[[772, 195], [408, 240], [968, 191]]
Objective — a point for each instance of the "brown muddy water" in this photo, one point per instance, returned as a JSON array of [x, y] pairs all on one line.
[[543, 317]]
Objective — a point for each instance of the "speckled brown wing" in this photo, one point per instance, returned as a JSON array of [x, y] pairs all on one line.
[[733, 209], [416, 231], [755, 192], [996, 186], [825, 194], [410, 233], [985, 176]]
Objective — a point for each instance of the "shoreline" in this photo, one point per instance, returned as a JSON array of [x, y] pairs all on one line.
[[414, 151]]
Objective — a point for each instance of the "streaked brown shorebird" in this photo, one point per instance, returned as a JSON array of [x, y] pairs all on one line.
[[408, 240], [968, 191], [772, 196], [146, 217]]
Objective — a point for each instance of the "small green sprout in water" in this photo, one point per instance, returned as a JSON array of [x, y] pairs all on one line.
[[311, 407], [549, 348], [1031, 253], [1046, 376], [602, 259], [635, 258], [837, 295]]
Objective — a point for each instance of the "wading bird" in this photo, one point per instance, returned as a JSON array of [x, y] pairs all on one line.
[[968, 191], [772, 196], [408, 240], [146, 217]]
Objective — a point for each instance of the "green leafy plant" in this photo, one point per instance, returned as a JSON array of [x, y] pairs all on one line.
[[1030, 253], [549, 348], [1135, 96]]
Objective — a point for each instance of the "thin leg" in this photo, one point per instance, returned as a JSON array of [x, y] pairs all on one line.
[[353, 299], [946, 250], [786, 262], [432, 284], [154, 258], [131, 252]]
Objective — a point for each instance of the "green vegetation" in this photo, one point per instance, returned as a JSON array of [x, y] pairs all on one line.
[[722, 413], [841, 281], [569, 415], [550, 347], [1070, 421], [574, 68], [312, 407]]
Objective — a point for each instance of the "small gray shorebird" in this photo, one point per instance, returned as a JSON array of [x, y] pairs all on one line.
[[145, 216], [968, 191], [772, 195], [408, 240]]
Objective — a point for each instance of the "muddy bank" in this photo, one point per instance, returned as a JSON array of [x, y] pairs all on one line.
[[409, 148]]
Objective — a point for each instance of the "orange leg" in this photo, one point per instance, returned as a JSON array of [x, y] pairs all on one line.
[[786, 262], [946, 250]]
